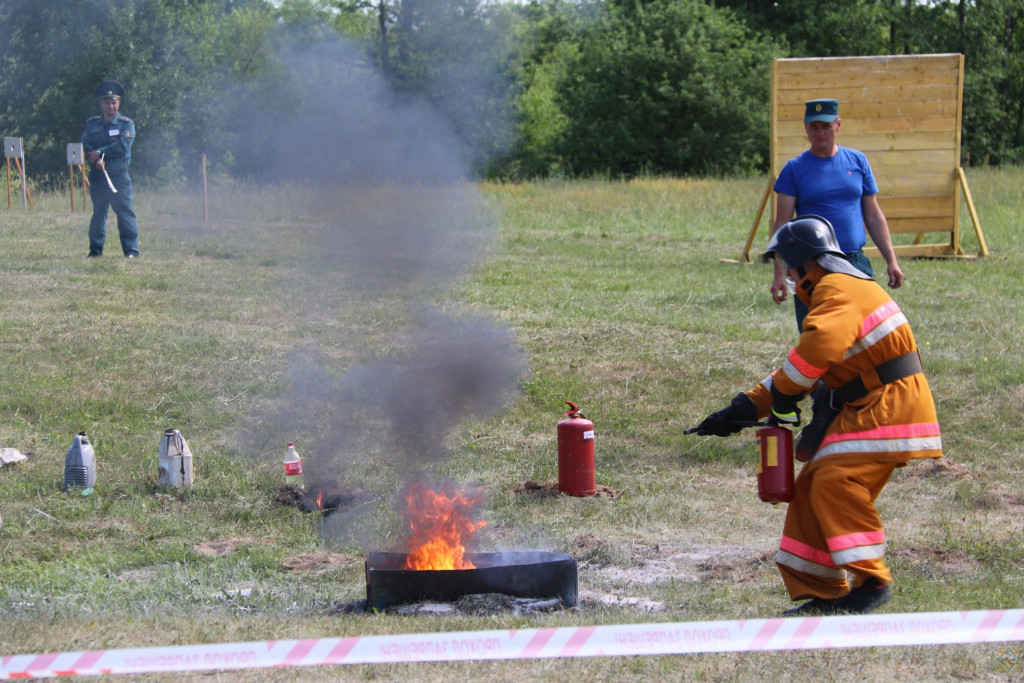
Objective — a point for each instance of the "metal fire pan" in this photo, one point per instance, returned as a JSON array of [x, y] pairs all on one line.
[[531, 574]]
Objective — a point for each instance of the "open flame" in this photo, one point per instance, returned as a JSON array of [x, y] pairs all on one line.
[[440, 523]]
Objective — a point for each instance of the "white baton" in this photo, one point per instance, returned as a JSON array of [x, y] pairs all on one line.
[[107, 176]]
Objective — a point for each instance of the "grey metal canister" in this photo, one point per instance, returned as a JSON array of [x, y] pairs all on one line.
[[80, 463]]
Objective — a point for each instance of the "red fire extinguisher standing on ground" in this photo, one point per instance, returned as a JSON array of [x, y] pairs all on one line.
[[775, 464], [576, 454]]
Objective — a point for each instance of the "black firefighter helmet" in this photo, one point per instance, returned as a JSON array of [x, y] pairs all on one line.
[[809, 237]]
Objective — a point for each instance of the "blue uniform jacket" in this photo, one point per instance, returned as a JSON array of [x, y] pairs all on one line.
[[113, 139]]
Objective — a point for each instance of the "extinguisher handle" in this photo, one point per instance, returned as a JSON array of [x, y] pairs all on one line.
[[574, 411]]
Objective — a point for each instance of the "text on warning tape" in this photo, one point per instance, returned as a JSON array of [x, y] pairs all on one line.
[[679, 638]]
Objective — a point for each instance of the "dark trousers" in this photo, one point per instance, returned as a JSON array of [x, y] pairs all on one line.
[[121, 202]]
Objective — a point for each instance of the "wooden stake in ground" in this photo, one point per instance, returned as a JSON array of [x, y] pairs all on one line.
[[205, 215], [25, 194]]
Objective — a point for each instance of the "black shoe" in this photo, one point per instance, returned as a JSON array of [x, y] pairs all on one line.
[[811, 608], [863, 600], [92, 255]]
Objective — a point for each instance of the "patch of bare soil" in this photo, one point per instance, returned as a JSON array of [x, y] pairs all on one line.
[[227, 546], [935, 562], [647, 565], [939, 467], [737, 570], [596, 598], [732, 563], [318, 563], [999, 499], [538, 489]]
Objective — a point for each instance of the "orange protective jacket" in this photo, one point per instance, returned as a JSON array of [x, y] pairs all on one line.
[[852, 326]]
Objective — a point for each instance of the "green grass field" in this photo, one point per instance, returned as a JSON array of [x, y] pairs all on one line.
[[244, 331]]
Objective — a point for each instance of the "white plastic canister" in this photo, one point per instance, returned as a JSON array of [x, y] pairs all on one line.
[[175, 460]]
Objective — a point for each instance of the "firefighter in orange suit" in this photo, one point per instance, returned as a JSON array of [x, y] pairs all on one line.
[[880, 415]]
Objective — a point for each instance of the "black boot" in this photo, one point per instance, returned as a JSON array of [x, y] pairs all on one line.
[[863, 600]]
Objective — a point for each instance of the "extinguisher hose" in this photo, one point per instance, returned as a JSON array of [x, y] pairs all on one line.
[[737, 423]]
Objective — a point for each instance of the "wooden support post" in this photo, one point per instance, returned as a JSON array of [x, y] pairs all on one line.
[[982, 247], [757, 219]]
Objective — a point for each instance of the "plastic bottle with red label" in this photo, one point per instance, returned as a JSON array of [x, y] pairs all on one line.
[[292, 466]]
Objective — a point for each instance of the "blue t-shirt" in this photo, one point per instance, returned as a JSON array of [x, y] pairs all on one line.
[[831, 188]]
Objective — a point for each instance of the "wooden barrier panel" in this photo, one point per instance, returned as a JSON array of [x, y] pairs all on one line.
[[904, 112]]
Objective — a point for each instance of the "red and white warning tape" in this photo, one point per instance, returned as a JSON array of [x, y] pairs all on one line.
[[749, 635]]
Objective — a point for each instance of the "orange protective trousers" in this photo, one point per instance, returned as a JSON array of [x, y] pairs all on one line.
[[832, 527]]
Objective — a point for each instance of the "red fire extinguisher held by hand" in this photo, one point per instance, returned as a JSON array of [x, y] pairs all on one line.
[[576, 454], [774, 460], [775, 464]]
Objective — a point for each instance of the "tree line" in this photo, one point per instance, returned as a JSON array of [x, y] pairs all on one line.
[[532, 88]]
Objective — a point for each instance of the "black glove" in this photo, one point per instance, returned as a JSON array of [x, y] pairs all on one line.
[[722, 423]]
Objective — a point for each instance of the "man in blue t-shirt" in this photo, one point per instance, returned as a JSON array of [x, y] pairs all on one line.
[[837, 184]]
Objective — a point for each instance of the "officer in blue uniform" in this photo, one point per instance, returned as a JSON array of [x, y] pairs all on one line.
[[107, 142]]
